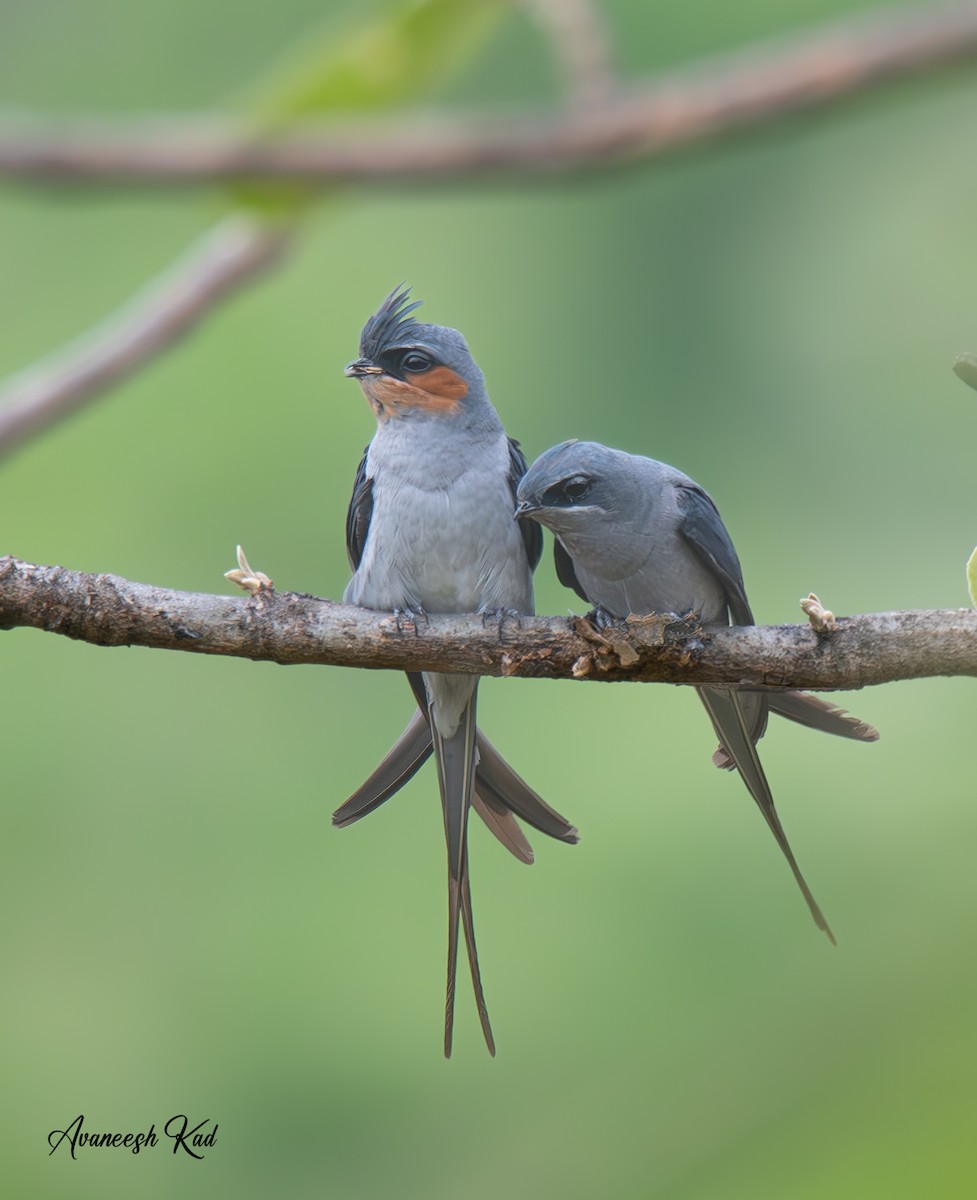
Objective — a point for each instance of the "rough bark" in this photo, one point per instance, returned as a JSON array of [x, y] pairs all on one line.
[[288, 628]]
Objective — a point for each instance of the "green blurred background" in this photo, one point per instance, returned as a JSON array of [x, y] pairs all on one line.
[[185, 932]]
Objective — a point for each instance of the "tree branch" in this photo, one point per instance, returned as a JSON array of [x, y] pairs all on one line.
[[576, 31], [716, 96], [708, 99], [287, 628], [233, 252]]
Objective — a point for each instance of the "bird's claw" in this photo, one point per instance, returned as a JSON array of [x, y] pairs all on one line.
[[410, 616], [602, 620], [689, 618], [501, 615], [608, 635]]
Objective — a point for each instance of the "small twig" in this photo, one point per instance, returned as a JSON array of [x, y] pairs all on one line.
[[712, 97], [217, 265], [578, 35], [287, 628], [822, 619], [247, 578]]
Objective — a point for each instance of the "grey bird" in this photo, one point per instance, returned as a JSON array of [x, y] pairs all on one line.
[[636, 536], [430, 530]]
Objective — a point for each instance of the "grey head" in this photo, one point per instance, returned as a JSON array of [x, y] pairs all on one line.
[[577, 487], [409, 370]]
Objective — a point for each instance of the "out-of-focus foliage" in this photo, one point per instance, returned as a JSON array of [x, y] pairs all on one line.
[[965, 367], [183, 930], [396, 56], [402, 54]]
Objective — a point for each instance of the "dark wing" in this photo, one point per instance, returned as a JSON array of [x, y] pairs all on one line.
[[564, 569], [532, 533], [703, 528], [359, 513]]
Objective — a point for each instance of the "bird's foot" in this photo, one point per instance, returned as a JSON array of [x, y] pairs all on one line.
[[410, 616], [501, 615], [602, 621], [682, 624], [688, 616], [608, 635]]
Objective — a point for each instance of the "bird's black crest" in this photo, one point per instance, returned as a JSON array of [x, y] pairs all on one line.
[[388, 324]]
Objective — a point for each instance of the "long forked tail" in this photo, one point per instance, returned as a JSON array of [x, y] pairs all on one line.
[[500, 794], [817, 713], [730, 723], [406, 757], [496, 780], [811, 711], [456, 758]]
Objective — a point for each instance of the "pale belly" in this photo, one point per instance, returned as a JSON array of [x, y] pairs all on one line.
[[443, 551]]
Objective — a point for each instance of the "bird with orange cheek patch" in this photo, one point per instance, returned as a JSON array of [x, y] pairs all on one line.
[[430, 529]]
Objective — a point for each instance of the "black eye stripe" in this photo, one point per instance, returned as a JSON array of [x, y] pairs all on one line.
[[409, 361], [567, 492]]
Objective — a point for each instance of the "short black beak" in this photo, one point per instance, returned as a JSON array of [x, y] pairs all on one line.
[[525, 508], [360, 367]]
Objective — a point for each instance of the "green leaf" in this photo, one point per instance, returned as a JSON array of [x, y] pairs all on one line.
[[406, 52], [972, 576], [403, 54], [966, 367]]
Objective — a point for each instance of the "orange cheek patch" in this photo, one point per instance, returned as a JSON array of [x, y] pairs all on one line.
[[443, 385], [439, 390]]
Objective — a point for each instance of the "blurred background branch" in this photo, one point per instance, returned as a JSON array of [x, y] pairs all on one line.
[[579, 39], [385, 62], [713, 97], [220, 263], [601, 125], [286, 628]]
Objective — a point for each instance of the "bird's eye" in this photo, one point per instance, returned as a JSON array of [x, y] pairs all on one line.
[[416, 362], [576, 489], [568, 492]]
